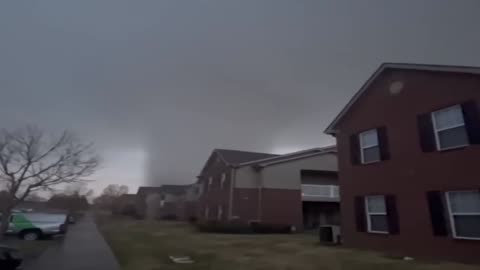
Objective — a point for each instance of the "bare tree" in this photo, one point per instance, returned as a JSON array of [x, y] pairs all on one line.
[[31, 161], [109, 195], [114, 190], [78, 189]]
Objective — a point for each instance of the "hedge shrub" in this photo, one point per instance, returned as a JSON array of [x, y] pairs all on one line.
[[243, 228], [270, 228]]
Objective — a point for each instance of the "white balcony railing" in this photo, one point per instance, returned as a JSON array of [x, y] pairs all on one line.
[[320, 191]]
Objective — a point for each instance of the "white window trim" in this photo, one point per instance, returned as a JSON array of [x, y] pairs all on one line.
[[219, 212], [207, 211], [368, 214], [222, 181], [210, 181], [437, 130], [452, 220], [363, 147]]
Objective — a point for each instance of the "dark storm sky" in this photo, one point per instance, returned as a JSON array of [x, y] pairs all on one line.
[[159, 84]]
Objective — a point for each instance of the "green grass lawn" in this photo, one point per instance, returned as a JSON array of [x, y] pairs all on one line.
[[142, 245]]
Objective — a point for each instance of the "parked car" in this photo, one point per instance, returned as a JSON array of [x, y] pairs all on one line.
[[10, 258], [32, 226]]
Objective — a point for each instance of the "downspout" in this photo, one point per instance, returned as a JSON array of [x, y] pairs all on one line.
[[232, 185], [260, 191]]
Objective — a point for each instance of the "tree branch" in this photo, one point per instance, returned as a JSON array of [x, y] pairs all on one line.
[[38, 164]]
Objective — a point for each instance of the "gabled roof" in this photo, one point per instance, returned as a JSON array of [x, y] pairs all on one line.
[[421, 67], [175, 189], [290, 156], [128, 196], [235, 157], [149, 190]]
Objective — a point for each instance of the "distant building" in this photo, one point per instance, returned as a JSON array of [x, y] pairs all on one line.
[[160, 202], [298, 189], [148, 201], [187, 204], [125, 205], [171, 206]]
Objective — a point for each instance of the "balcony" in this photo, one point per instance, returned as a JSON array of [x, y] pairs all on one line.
[[320, 193]]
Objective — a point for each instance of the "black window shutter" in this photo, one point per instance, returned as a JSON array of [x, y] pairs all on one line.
[[354, 149], [471, 116], [383, 143], [360, 216], [437, 213], [426, 133], [392, 214]]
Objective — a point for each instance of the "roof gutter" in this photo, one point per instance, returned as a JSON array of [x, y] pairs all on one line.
[[298, 154], [405, 66], [265, 164]]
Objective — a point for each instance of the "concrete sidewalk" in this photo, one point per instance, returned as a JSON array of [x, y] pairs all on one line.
[[83, 248]]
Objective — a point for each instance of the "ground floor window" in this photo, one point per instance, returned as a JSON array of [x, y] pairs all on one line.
[[376, 211], [219, 212], [464, 213], [206, 212]]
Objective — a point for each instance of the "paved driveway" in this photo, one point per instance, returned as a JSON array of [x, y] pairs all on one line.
[[83, 248]]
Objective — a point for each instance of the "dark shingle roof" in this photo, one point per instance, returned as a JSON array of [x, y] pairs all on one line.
[[128, 196], [149, 190], [175, 189], [170, 189], [293, 156], [236, 157]]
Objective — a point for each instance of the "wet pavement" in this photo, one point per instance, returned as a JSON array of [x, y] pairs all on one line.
[[82, 249]]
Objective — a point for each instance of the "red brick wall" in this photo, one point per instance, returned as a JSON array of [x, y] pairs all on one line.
[[189, 210], [186, 210], [215, 195], [169, 209], [282, 206], [278, 206], [245, 204], [410, 173]]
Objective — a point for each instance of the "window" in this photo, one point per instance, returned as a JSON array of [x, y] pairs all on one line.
[[222, 181], [449, 128], [206, 212], [210, 180], [369, 147], [219, 212], [464, 213], [376, 210]]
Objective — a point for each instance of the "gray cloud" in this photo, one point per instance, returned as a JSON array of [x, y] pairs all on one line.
[[158, 84]]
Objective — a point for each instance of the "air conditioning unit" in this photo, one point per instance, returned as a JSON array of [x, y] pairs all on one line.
[[330, 234]]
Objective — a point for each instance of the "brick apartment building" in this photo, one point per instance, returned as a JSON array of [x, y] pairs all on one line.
[[408, 148], [298, 189]]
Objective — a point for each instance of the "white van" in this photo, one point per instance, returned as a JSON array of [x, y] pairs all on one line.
[[32, 226]]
